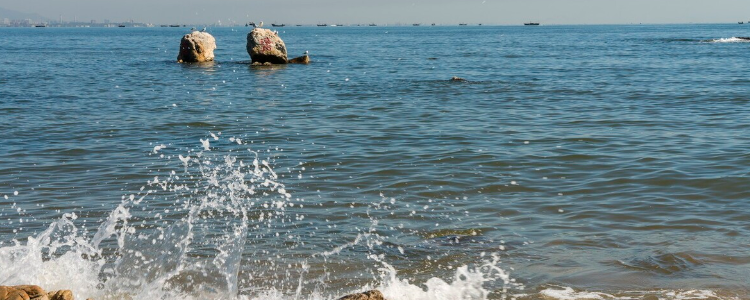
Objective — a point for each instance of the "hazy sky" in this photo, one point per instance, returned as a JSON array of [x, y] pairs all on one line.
[[392, 11]]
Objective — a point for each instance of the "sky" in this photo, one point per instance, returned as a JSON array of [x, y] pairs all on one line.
[[487, 12]]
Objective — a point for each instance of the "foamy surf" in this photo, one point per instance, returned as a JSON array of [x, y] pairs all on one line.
[[731, 40], [182, 236], [568, 293]]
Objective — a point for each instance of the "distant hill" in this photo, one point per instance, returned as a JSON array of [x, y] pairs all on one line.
[[17, 15]]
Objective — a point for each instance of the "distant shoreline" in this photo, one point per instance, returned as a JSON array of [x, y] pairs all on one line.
[[149, 25]]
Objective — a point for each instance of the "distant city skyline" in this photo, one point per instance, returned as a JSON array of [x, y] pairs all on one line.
[[227, 12]]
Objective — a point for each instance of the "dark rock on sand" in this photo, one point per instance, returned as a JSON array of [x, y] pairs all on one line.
[[265, 46], [197, 46], [369, 295]]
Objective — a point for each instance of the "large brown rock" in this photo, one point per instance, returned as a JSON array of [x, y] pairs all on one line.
[[197, 46], [369, 295], [33, 291], [10, 293], [22, 292], [265, 46]]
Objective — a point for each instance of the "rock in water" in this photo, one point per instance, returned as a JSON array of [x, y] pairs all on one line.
[[265, 46], [369, 295], [197, 46], [305, 59]]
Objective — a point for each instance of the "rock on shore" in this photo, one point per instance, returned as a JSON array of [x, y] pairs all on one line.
[[369, 295], [197, 46], [32, 292], [265, 46]]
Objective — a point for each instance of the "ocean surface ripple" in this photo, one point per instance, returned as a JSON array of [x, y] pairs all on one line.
[[576, 162]]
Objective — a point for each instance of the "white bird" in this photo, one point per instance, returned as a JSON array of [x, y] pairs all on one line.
[[260, 24], [307, 52], [204, 29]]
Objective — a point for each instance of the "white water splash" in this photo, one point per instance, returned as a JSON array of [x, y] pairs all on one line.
[[219, 199], [467, 283]]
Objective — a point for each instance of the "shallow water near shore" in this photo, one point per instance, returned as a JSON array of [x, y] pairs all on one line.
[[576, 162]]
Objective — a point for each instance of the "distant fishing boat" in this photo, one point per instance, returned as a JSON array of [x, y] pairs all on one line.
[[322, 25], [433, 24], [740, 22], [164, 25], [120, 25], [462, 24], [278, 25], [373, 24], [41, 25], [174, 25], [531, 24], [339, 25], [415, 24]]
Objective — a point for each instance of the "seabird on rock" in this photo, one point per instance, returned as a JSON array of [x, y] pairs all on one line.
[[192, 29], [307, 52], [260, 24], [203, 30]]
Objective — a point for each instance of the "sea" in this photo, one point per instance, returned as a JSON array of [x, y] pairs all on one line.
[[572, 162]]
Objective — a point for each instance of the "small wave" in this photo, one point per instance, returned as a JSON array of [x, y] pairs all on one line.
[[668, 264], [730, 40]]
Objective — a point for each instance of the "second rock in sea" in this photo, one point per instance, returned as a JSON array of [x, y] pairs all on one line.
[[266, 47]]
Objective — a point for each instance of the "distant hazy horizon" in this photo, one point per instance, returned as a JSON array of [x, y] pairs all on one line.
[[499, 12]]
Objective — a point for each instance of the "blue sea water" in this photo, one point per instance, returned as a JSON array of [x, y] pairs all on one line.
[[575, 162]]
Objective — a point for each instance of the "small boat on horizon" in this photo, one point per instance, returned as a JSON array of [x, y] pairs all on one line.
[[278, 25], [462, 24], [740, 22], [40, 25], [322, 25], [373, 24], [531, 24], [415, 24], [120, 25], [170, 26]]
